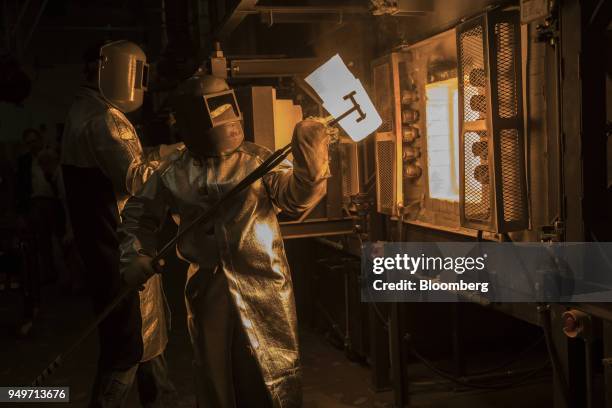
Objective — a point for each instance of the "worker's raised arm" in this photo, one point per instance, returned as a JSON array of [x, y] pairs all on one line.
[[296, 189]]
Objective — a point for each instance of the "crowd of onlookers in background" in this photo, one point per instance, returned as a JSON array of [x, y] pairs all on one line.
[[36, 246]]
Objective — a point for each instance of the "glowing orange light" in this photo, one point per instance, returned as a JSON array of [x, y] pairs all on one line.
[[443, 139]]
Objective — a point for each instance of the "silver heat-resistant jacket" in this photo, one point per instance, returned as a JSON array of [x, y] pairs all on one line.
[[246, 243], [99, 136], [96, 134]]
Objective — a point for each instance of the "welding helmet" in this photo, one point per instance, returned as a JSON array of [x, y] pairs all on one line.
[[207, 115], [123, 74]]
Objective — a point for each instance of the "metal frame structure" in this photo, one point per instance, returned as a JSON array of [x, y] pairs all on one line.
[[491, 113], [388, 139], [233, 18]]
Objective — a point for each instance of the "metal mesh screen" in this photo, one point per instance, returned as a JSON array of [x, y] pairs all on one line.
[[474, 74], [506, 83], [382, 96], [494, 193], [385, 157], [476, 181], [512, 197], [348, 155]]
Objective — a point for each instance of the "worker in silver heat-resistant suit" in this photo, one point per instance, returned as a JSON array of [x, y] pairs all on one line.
[[241, 311], [103, 163]]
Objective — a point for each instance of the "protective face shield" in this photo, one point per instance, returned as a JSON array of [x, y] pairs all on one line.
[[208, 116], [123, 75]]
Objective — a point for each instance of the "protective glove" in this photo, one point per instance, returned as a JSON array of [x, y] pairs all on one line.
[[138, 271], [162, 152], [311, 131], [310, 150]]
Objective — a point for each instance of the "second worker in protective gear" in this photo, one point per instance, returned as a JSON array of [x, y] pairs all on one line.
[[239, 296], [103, 164]]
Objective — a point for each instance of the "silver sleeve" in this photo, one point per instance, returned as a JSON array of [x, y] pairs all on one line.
[[296, 189], [142, 218], [118, 153]]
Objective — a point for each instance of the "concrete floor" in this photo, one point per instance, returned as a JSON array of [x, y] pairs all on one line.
[[330, 380]]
